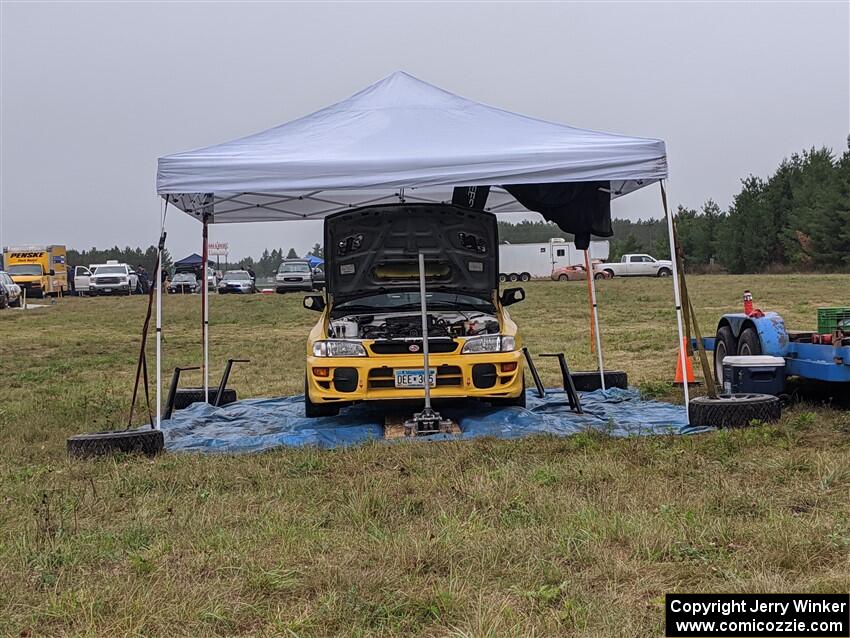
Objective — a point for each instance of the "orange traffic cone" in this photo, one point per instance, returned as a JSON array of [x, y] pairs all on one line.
[[689, 368]]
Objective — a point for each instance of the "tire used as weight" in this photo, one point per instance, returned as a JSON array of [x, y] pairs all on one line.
[[589, 381], [187, 396], [147, 442], [734, 410]]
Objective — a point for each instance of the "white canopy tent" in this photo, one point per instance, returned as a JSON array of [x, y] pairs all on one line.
[[401, 139]]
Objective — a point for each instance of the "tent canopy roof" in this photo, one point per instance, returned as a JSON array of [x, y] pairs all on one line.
[[191, 260], [400, 138]]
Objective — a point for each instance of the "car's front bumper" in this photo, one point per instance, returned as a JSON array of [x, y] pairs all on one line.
[[109, 289], [372, 378], [289, 286]]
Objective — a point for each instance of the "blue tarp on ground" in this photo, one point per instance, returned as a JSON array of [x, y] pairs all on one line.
[[254, 425]]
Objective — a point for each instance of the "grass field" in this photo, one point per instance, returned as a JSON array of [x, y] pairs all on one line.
[[579, 536]]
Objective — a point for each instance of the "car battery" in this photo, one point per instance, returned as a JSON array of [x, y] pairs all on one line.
[[758, 374]]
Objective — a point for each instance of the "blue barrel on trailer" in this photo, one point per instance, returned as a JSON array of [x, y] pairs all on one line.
[[821, 362]]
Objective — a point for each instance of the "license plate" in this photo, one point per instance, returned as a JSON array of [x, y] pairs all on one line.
[[414, 378], [107, 290]]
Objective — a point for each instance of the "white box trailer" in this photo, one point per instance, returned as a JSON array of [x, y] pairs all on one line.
[[521, 262]]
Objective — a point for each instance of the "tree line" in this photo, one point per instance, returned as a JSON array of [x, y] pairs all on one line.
[[796, 218], [132, 256]]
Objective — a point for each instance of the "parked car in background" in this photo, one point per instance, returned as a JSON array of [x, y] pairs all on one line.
[[4, 297], [184, 283], [82, 280], [236, 281], [578, 273], [294, 275], [13, 291], [319, 277], [39, 269], [113, 278], [634, 265]]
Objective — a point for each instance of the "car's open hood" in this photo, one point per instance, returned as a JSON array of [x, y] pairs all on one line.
[[375, 249]]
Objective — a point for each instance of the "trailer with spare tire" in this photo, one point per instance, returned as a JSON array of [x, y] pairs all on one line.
[[807, 354]]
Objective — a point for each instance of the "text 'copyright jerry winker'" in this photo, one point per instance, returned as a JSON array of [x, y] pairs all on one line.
[[766, 615]]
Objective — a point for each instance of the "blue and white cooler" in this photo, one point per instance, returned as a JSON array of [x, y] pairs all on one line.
[[756, 374]]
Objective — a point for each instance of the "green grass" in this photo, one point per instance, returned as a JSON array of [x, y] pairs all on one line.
[[542, 536]]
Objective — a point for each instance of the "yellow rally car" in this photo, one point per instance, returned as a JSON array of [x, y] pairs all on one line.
[[367, 345]]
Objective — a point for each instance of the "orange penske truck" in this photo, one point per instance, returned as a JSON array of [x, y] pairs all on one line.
[[40, 270]]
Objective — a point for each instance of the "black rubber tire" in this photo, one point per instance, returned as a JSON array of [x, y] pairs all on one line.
[[510, 402], [184, 397], [610, 272], [525, 276], [316, 410], [502, 277], [513, 277], [725, 345], [664, 272], [4, 301], [147, 442], [589, 381], [599, 275], [563, 278], [17, 302], [734, 410], [749, 343]]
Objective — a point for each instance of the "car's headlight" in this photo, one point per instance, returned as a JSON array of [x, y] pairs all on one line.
[[337, 348], [489, 343]]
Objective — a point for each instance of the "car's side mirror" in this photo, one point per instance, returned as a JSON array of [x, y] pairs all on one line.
[[314, 302], [51, 272], [512, 296]]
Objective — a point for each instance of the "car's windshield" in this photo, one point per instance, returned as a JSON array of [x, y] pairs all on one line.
[[410, 301], [110, 270], [25, 269], [294, 267], [185, 276], [237, 276]]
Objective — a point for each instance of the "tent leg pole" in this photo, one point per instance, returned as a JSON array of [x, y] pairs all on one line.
[[158, 284], [677, 293], [595, 316], [206, 315]]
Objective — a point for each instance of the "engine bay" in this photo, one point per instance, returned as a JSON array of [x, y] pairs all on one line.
[[408, 325]]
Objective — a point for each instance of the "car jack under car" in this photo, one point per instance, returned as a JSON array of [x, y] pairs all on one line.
[[428, 421]]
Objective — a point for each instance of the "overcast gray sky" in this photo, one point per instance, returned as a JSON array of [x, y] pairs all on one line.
[[93, 93]]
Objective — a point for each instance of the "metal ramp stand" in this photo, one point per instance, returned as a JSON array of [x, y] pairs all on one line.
[[569, 386]]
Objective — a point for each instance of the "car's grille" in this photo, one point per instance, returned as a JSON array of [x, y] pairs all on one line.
[[107, 280], [396, 346], [293, 278], [385, 377]]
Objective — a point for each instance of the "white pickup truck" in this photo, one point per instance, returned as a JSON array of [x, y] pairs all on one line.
[[638, 266]]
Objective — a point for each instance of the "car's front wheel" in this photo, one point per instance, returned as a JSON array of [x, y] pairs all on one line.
[[563, 278], [315, 410], [510, 401]]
